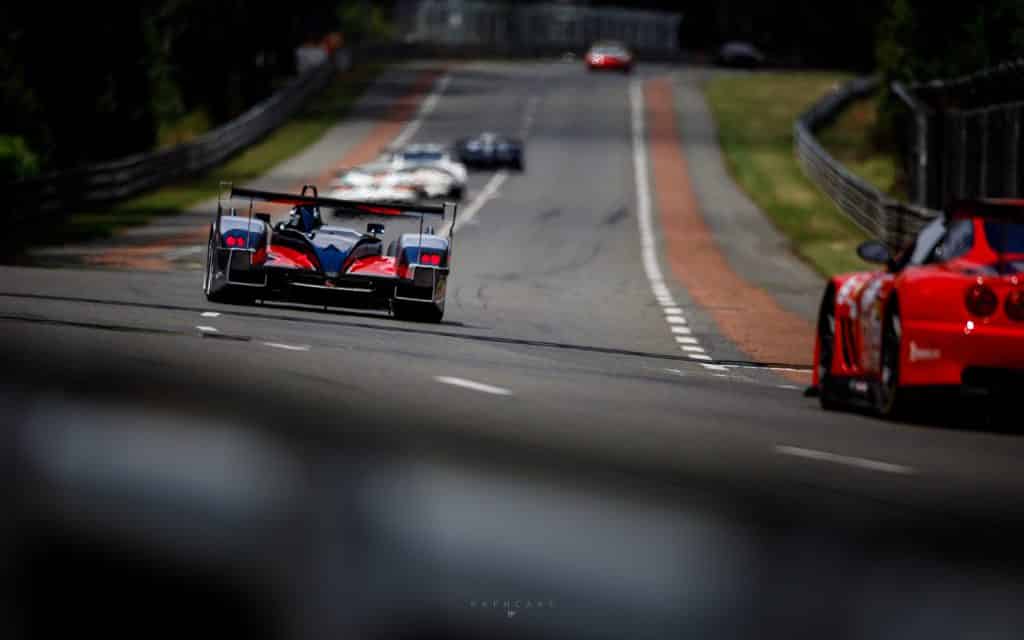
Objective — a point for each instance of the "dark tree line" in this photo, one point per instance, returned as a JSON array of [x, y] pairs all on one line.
[[83, 82]]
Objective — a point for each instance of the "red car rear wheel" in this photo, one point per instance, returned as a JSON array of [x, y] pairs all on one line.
[[890, 399], [827, 392]]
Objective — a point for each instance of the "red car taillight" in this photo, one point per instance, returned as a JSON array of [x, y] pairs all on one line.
[[981, 300], [1014, 305]]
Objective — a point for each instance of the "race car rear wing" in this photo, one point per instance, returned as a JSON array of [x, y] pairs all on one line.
[[353, 207], [350, 207]]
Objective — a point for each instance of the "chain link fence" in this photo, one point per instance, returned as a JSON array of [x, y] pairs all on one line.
[[879, 215], [966, 136]]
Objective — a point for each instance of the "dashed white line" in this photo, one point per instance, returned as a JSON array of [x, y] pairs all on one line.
[[210, 314], [287, 347], [206, 329], [473, 208], [648, 246], [791, 387], [850, 461], [475, 386], [426, 107]]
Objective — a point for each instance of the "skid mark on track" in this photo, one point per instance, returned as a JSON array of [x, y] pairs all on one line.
[[309, 316]]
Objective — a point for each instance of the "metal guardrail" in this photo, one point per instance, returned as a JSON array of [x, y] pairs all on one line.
[[879, 215], [108, 181]]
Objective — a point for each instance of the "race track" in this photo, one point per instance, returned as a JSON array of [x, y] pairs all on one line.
[[553, 346]]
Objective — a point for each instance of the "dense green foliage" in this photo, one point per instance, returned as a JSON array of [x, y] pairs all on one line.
[[84, 82], [924, 40]]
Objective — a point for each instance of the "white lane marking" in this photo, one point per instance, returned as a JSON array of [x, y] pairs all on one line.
[[206, 329], [674, 315], [426, 107], [210, 314], [715, 367], [475, 386], [791, 387], [850, 461], [287, 347], [181, 252], [467, 214]]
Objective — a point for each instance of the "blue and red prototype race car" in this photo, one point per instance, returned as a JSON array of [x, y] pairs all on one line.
[[946, 313], [305, 261]]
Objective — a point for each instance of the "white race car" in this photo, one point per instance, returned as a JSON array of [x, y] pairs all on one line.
[[373, 184], [432, 156]]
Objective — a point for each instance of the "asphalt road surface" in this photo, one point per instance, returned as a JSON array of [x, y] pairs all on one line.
[[548, 442]]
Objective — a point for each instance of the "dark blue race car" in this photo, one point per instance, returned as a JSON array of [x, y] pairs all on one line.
[[490, 150]]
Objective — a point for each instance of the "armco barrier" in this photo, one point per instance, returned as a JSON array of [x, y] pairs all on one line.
[[58, 192], [880, 216]]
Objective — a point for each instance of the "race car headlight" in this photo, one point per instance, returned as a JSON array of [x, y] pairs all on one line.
[[981, 300], [1014, 305]]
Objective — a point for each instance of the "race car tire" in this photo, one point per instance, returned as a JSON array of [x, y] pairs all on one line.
[[517, 164], [891, 401], [416, 311], [456, 193], [829, 395], [212, 295]]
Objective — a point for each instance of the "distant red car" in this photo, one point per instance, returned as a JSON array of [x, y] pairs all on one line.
[[947, 312], [612, 56]]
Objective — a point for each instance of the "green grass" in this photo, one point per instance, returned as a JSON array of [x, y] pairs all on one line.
[[755, 115], [323, 111]]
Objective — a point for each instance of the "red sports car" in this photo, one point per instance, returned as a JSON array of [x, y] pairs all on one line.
[[612, 56], [946, 312]]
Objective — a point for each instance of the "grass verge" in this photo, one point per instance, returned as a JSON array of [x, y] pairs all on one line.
[[305, 128], [755, 115]]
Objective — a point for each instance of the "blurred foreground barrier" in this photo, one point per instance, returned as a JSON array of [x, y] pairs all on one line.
[[116, 179], [885, 218]]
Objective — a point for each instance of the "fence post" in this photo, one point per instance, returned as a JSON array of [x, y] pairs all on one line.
[[1013, 155], [924, 171]]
